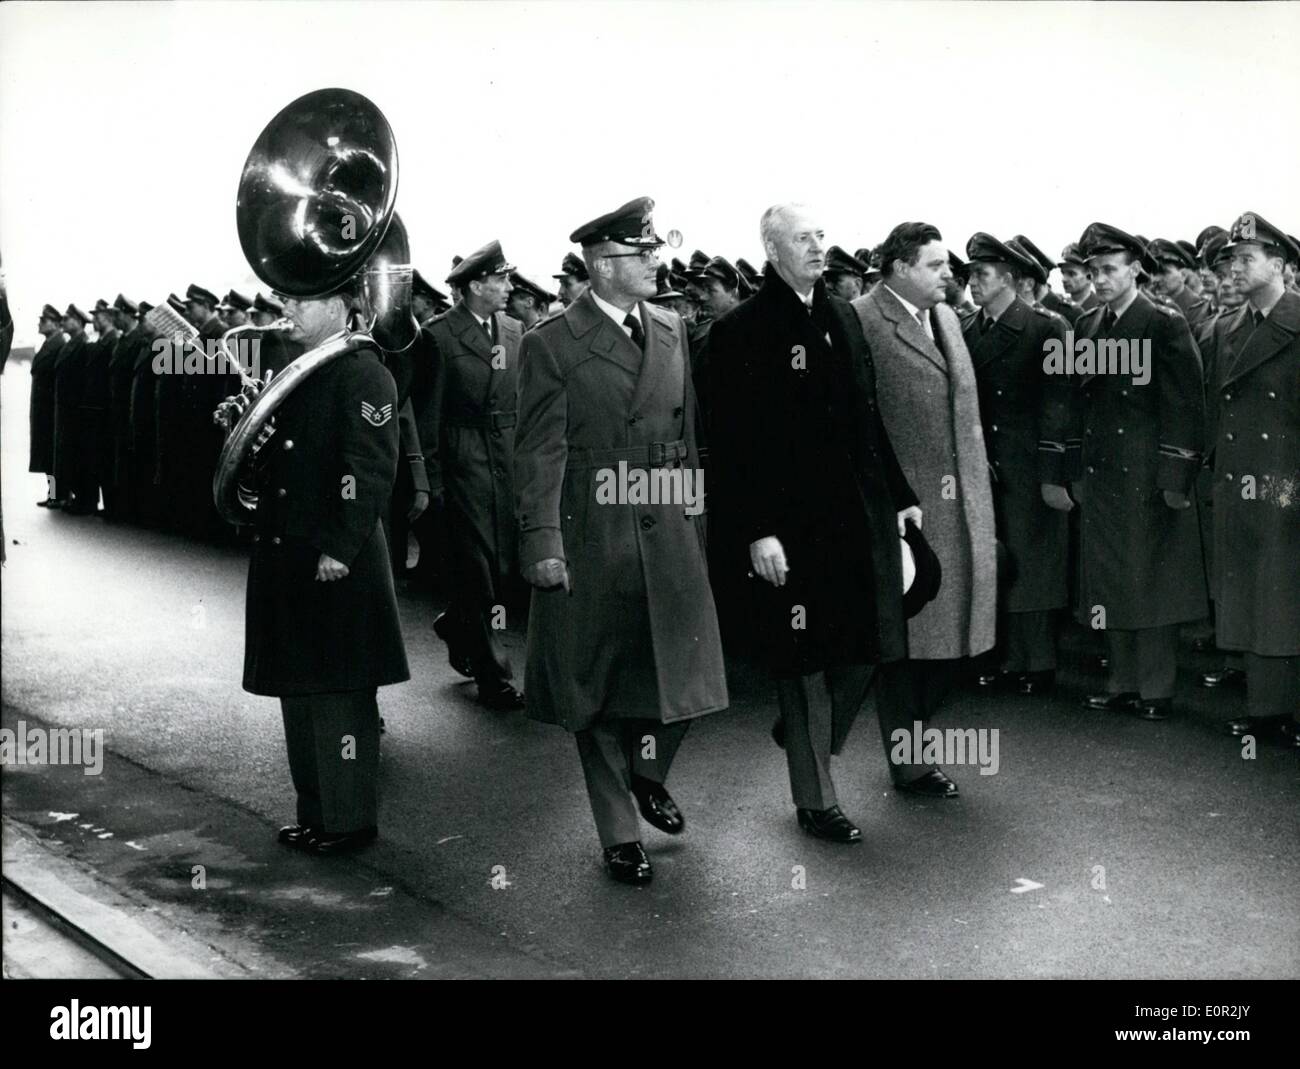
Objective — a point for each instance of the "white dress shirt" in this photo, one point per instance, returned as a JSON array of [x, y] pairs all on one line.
[[618, 316], [922, 321]]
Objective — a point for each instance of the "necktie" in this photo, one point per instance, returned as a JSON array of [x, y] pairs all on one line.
[[920, 318], [986, 324], [1258, 316], [634, 325], [487, 329], [1108, 318]]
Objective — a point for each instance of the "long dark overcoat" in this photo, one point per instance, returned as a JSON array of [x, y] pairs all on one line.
[[638, 634], [1022, 407], [1140, 560], [41, 408], [1257, 483], [69, 384], [324, 486], [798, 452]]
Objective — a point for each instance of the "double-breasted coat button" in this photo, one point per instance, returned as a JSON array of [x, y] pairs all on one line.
[[257, 538], [1272, 394], [995, 428], [1230, 436], [1119, 430], [1264, 435], [1092, 471], [275, 541], [281, 492], [647, 522], [288, 443], [1227, 396], [1228, 476]]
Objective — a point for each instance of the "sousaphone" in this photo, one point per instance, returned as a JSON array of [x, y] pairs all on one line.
[[315, 211]]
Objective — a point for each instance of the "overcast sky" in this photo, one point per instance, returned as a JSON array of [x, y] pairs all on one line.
[[124, 127]]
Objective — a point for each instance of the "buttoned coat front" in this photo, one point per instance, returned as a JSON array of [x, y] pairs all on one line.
[[930, 406], [637, 635], [1257, 483]]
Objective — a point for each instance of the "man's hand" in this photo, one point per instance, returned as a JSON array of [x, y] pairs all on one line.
[[328, 569], [418, 505], [1057, 497], [912, 513], [1076, 492], [1175, 500], [768, 559], [548, 574]]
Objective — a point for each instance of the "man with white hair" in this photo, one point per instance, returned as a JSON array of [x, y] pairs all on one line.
[[805, 480]]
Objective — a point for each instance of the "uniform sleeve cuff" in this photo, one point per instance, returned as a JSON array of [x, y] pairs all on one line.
[[541, 544]]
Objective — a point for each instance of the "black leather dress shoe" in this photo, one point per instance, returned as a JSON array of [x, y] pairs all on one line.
[[1037, 682], [1154, 708], [778, 732], [1270, 728], [1224, 677], [296, 834], [934, 784], [627, 863], [998, 680], [328, 844], [657, 805], [1113, 703], [829, 824], [504, 698], [456, 657], [1289, 733]]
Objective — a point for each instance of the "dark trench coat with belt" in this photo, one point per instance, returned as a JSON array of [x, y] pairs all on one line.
[[324, 483], [638, 634], [798, 451]]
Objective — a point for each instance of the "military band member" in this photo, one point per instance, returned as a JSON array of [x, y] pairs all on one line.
[[322, 631], [1076, 280], [265, 311], [179, 306], [234, 309], [96, 430], [929, 402], [1172, 263], [844, 274], [1141, 572], [41, 407], [69, 384], [623, 646], [572, 278], [1256, 458], [1025, 414], [473, 417], [817, 520], [202, 394]]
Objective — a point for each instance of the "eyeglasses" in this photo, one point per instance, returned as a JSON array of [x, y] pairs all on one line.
[[644, 255]]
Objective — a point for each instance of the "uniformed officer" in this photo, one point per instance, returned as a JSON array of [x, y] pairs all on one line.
[[266, 311], [97, 435], [322, 630], [1173, 262], [142, 416], [844, 274], [234, 309], [1026, 413], [69, 384], [1032, 288], [118, 504], [473, 425], [1076, 281], [572, 278], [41, 408], [1143, 432], [623, 646], [528, 303], [1209, 279], [1256, 458], [1043, 292], [202, 395], [955, 292]]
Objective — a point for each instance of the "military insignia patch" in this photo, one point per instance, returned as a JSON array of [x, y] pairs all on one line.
[[376, 416]]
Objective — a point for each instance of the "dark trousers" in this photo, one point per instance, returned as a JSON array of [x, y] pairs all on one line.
[[818, 711], [333, 745], [1030, 641], [612, 752], [1144, 662], [1273, 686], [908, 692]]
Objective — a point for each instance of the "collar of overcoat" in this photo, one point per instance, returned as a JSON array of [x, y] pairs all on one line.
[[607, 340], [461, 322], [1253, 345], [1001, 336], [1132, 325], [906, 328]]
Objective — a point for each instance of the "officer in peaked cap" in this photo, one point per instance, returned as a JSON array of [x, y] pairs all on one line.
[[1076, 280], [844, 274], [623, 645], [572, 279], [470, 429], [41, 409], [1172, 263], [721, 282], [1255, 352], [119, 499], [666, 293], [266, 310], [1046, 297], [96, 438], [200, 396], [69, 384], [1026, 415], [1142, 425], [529, 303], [234, 309], [752, 276], [427, 300], [954, 289]]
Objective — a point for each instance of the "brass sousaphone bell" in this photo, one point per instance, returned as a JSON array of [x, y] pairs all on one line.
[[315, 211]]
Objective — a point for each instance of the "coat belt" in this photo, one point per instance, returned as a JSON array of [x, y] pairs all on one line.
[[654, 455], [490, 421]]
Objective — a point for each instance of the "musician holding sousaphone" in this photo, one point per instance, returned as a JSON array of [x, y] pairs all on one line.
[[317, 446]]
